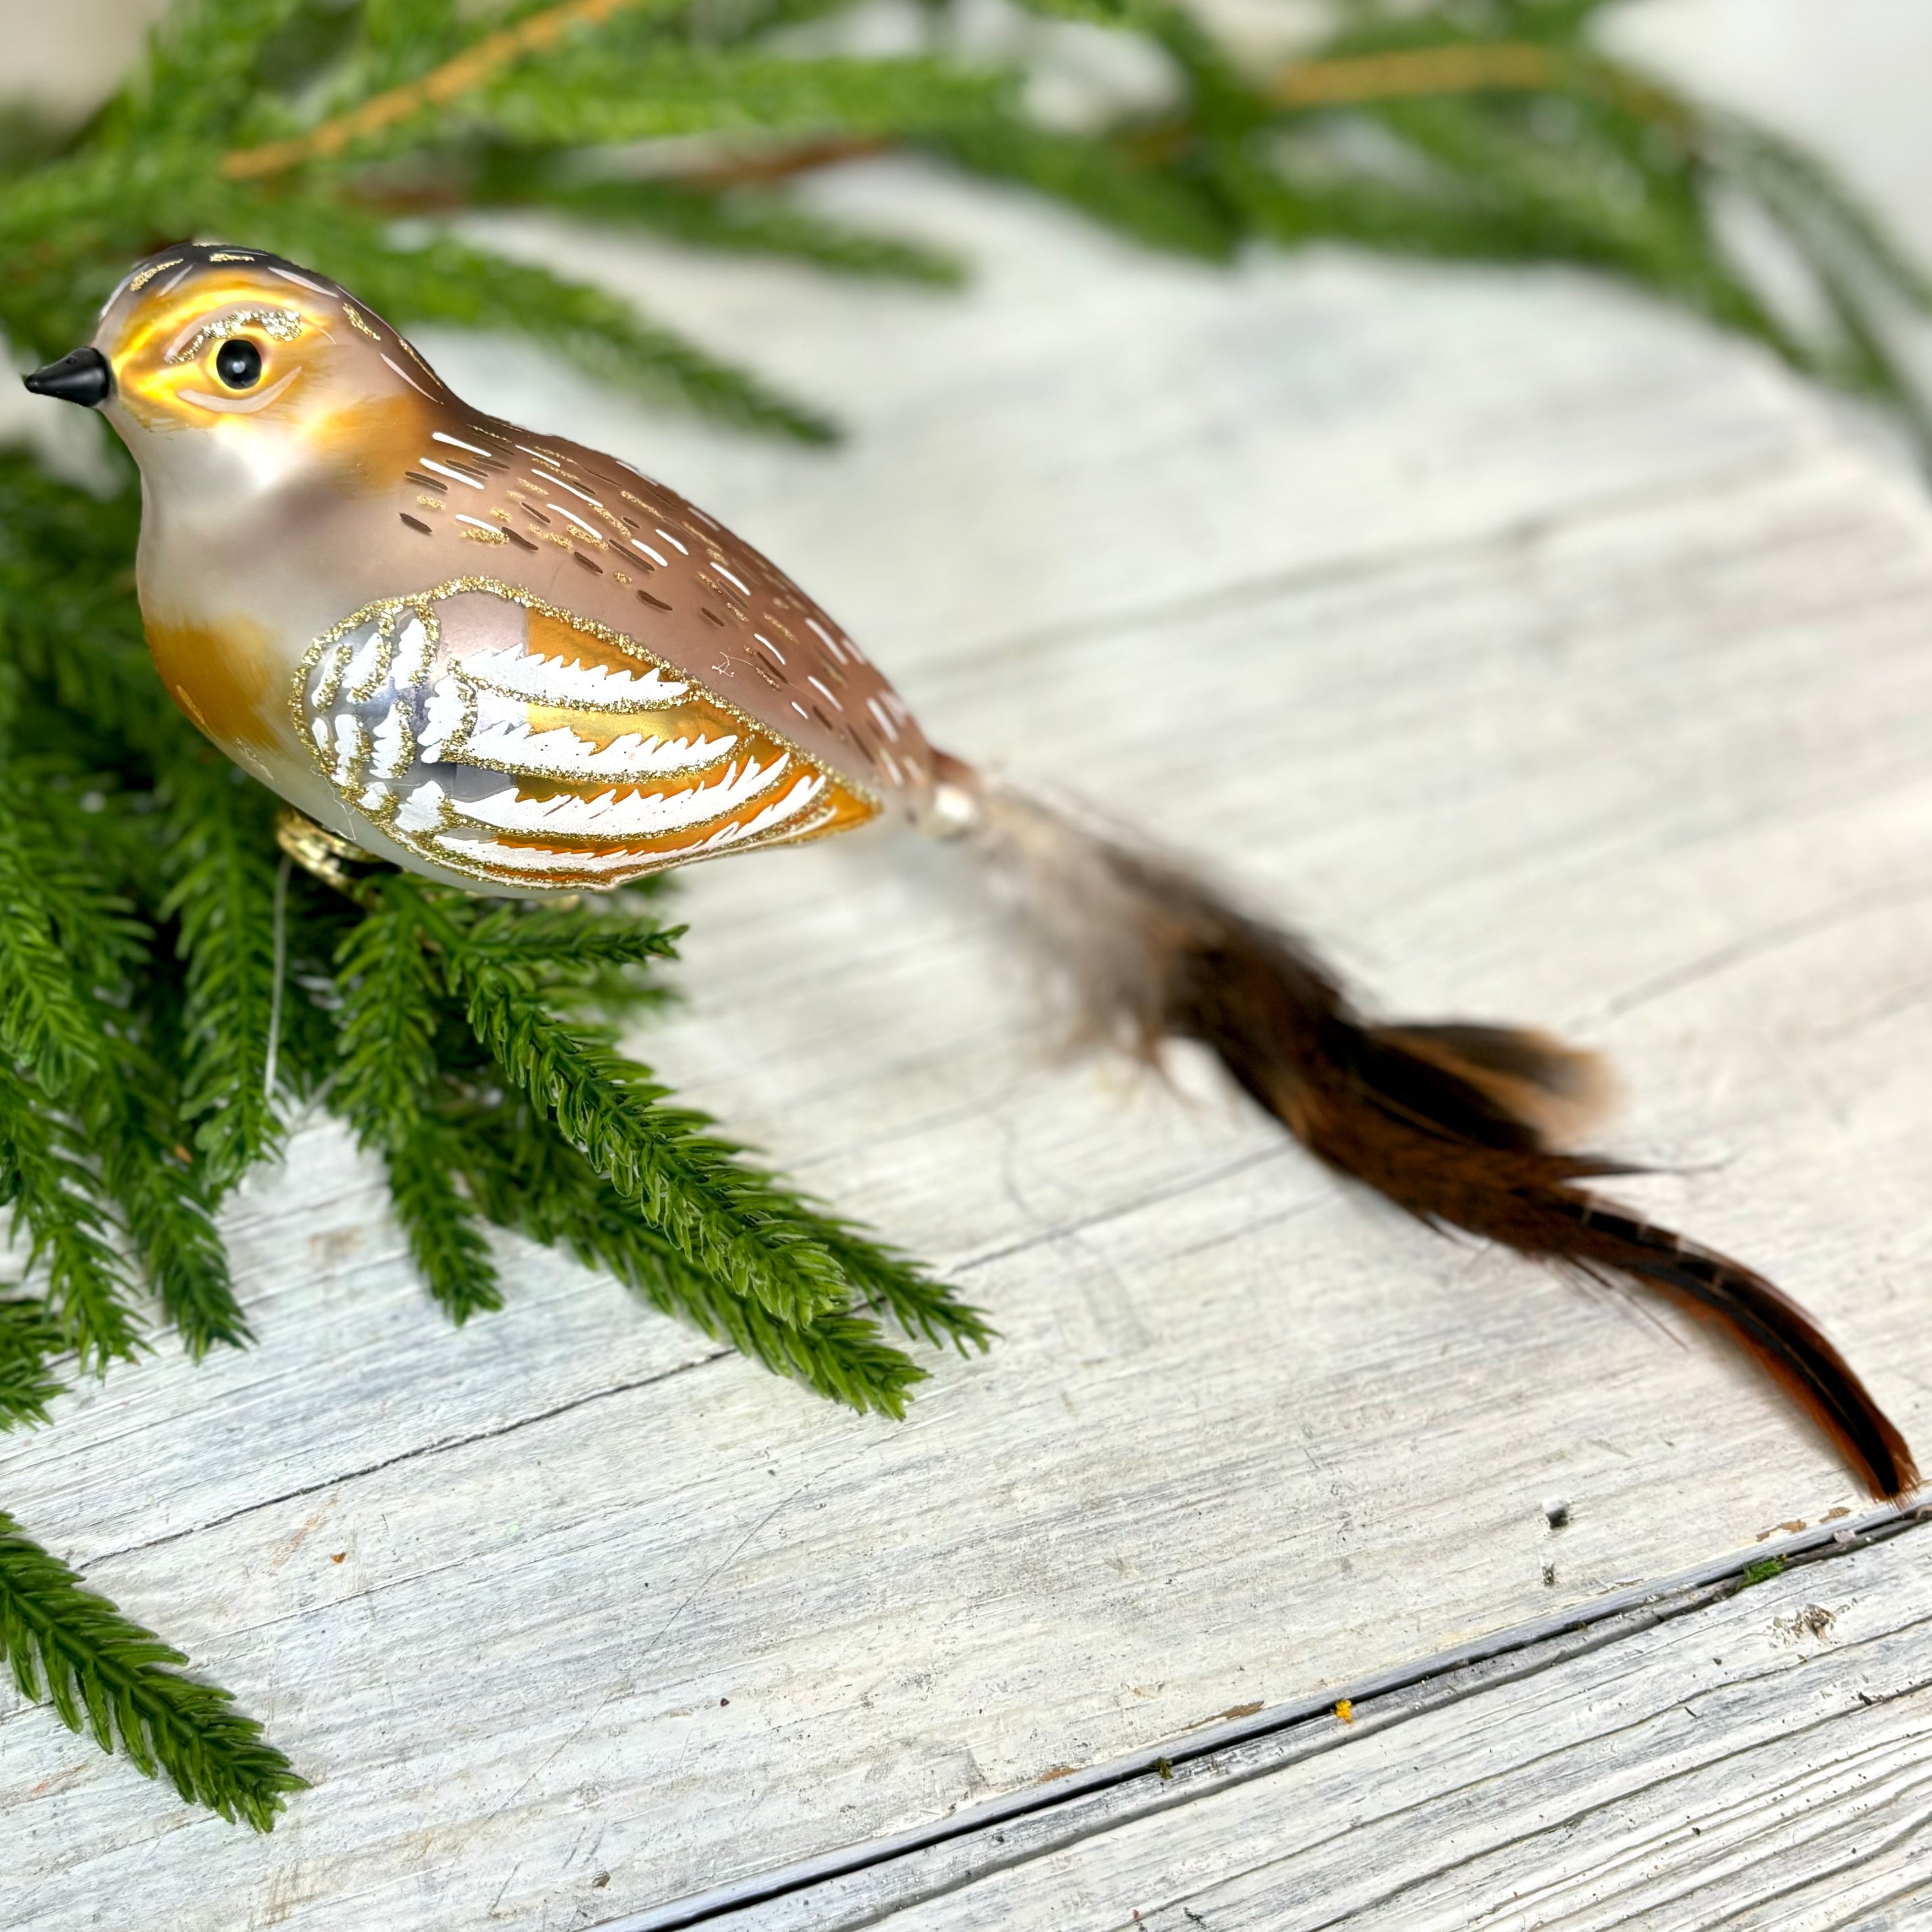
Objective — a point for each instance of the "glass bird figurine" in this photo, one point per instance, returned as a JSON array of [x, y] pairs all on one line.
[[515, 665]]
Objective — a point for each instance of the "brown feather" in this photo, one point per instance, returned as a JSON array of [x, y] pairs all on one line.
[[1453, 1122]]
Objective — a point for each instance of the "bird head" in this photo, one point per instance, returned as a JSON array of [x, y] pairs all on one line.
[[225, 367]]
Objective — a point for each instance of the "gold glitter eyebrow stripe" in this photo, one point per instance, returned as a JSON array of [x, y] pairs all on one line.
[[141, 278], [279, 325]]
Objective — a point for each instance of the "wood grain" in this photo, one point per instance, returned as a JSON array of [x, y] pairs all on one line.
[[1756, 1759], [1565, 664]]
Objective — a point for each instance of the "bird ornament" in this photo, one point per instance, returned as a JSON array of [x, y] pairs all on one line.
[[515, 665]]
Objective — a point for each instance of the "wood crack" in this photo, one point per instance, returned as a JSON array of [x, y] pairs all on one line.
[[415, 1454], [1544, 1826], [1120, 1211], [1754, 946], [1267, 1741]]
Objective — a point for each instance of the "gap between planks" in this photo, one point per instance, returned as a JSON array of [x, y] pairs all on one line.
[[1217, 1756]]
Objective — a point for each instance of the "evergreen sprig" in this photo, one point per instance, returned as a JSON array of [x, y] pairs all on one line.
[[171, 993], [70, 1646]]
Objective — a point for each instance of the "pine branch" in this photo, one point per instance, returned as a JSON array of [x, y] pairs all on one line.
[[389, 994], [48, 1183], [69, 1646], [1161, 206], [732, 1219], [202, 70], [68, 618], [399, 41], [31, 1336], [889, 1283], [528, 1178], [743, 222], [44, 1022], [1530, 205], [445, 1240], [684, 91], [163, 1199], [222, 889], [1805, 191], [456, 77]]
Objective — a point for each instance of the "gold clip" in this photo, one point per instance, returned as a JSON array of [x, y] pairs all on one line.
[[323, 854]]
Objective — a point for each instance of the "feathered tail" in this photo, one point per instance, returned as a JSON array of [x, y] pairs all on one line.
[[1454, 1122]]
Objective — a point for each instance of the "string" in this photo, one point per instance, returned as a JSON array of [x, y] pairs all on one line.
[[281, 956]]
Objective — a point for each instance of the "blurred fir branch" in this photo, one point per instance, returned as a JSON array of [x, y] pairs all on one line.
[[1494, 130], [169, 993]]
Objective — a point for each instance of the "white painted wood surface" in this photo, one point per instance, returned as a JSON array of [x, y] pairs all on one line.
[[1556, 660], [1757, 1759]]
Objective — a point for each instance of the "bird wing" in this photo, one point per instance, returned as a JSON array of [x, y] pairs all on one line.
[[497, 735], [585, 534]]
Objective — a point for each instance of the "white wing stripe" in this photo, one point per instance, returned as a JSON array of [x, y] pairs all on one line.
[[522, 673], [643, 815], [551, 859], [412, 650], [561, 753]]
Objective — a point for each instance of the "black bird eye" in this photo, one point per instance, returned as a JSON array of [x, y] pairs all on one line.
[[238, 363]]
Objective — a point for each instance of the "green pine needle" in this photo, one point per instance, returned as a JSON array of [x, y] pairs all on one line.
[[44, 1022], [585, 99], [742, 220], [69, 1646], [389, 993], [528, 1178], [164, 1200], [31, 1334], [1159, 206], [446, 1239], [723, 1215], [888, 1283], [220, 863], [46, 1178]]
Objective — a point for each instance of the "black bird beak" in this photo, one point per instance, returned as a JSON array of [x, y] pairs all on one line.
[[82, 376]]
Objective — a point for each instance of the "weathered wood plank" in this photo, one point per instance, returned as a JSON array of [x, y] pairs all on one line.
[[1758, 1758], [1560, 659]]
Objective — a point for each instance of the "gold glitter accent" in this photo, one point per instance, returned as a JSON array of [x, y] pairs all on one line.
[[431, 502], [329, 683], [141, 278], [231, 258], [386, 635], [356, 322], [476, 535], [323, 854], [279, 325]]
